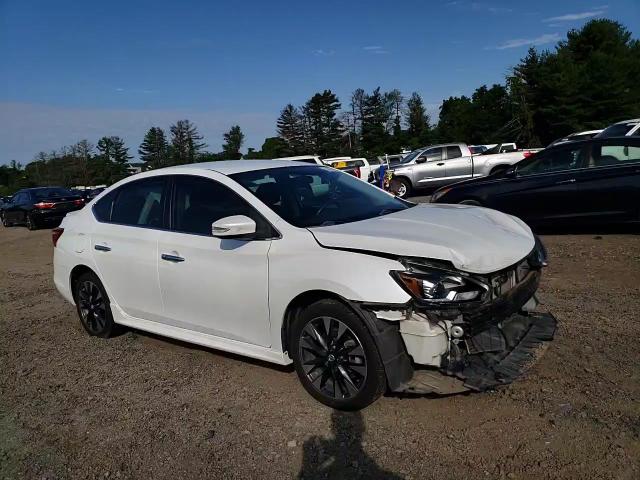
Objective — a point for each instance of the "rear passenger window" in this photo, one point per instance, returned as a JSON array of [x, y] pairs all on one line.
[[140, 203], [453, 152], [102, 208]]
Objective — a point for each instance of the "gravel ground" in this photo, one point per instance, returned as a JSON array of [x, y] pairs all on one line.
[[138, 406]]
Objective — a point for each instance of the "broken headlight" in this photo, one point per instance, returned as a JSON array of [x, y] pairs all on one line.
[[441, 286]]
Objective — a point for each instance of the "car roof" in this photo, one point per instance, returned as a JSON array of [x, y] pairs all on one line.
[[584, 141], [624, 122], [226, 167]]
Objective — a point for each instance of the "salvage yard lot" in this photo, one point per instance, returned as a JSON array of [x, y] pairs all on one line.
[[139, 406]]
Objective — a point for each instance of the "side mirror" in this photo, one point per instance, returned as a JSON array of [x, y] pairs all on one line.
[[421, 160], [233, 226]]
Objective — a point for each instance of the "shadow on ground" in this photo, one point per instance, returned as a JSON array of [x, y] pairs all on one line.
[[343, 455]]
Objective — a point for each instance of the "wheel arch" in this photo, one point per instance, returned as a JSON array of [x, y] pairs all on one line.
[[75, 273], [386, 335]]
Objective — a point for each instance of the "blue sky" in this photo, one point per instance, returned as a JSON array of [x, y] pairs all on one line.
[[83, 69]]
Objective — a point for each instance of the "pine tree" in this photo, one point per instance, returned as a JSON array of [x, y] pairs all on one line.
[[417, 120], [322, 128], [375, 122], [290, 128], [115, 156], [154, 149], [233, 139], [186, 142]]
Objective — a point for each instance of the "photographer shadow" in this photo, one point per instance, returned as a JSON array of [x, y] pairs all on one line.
[[343, 455]]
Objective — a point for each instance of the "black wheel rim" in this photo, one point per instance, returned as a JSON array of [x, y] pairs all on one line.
[[332, 358], [93, 309]]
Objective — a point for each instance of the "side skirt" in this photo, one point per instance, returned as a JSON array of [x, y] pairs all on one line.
[[202, 339]]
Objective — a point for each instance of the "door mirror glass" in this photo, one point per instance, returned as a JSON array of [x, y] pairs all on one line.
[[233, 226], [421, 159]]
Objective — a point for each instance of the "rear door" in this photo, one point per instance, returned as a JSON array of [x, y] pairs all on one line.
[[15, 212], [125, 245], [609, 183], [457, 166], [544, 190], [429, 169]]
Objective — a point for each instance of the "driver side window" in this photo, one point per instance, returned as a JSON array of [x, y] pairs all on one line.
[[432, 155], [198, 202], [550, 162]]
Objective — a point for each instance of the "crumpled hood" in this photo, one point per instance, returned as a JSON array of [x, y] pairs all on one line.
[[474, 239]]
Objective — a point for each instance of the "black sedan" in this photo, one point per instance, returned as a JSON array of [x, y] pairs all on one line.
[[589, 181], [37, 207]]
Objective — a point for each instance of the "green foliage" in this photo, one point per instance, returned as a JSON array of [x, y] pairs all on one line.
[[154, 150], [589, 81], [290, 127], [186, 142], [273, 147], [323, 130], [419, 130], [233, 139]]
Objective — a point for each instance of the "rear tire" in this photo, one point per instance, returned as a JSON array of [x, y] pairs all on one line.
[[31, 224], [6, 223], [335, 356], [93, 306], [401, 187]]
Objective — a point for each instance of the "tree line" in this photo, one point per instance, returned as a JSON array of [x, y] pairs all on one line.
[[588, 81], [107, 161]]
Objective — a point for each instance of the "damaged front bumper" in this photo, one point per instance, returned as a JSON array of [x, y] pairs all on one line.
[[490, 359], [444, 352]]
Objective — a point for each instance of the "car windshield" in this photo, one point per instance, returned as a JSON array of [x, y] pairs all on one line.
[[51, 192], [618, 130], [317, 196]]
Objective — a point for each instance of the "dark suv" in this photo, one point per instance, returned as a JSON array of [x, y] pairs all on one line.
[[37, 207]]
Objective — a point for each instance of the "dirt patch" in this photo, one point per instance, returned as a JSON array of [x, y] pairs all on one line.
[[137, 406]]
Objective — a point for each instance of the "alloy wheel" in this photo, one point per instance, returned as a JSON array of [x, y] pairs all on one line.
[[93, 308], [332, 358]]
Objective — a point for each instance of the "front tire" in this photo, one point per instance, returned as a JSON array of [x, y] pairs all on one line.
[[6, 223], [401, 187], [335, 356], [93, 306]]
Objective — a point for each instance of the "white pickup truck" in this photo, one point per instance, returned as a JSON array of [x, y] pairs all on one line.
[[438, 165]]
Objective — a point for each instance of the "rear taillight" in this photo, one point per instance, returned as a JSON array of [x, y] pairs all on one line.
[[56, 233], [44, 205], [527, 154], [79, 202], [357, 172]]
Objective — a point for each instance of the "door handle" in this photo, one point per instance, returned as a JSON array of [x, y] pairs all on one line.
[[440, 164], [562, 182], [171, 258], [102, 248]]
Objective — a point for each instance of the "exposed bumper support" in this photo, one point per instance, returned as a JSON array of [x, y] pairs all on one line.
[[497, 358], [524, 336]]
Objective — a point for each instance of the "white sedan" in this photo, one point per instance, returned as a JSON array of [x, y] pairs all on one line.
[[285, 261]]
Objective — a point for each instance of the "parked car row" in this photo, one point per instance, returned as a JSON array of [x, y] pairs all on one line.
[[39, 207], [438, 165], [587, 181]]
